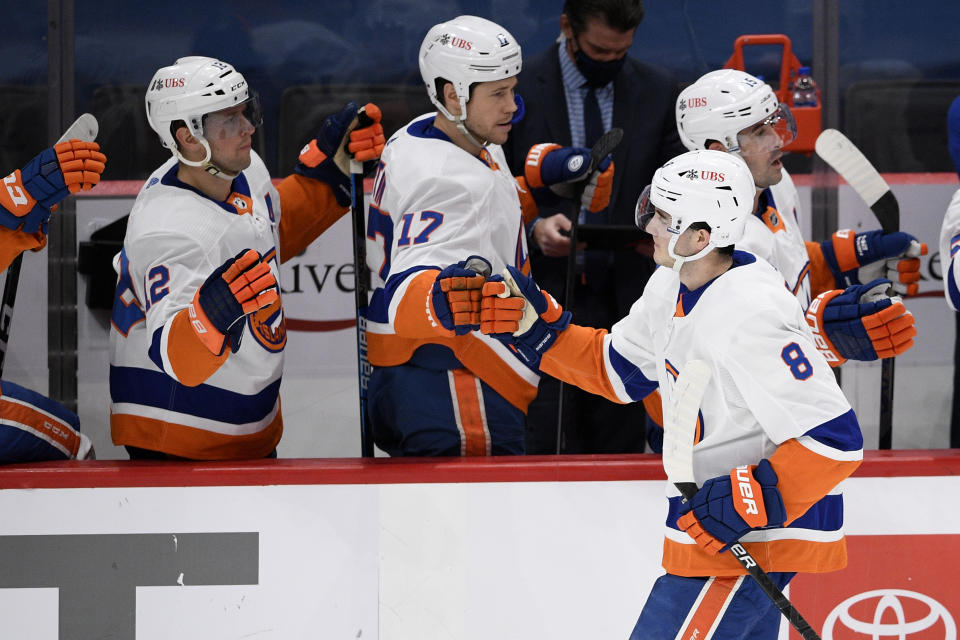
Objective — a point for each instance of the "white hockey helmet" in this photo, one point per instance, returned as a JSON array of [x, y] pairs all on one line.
[[700, 186], [722, 103], [191, 88], [464, 51]]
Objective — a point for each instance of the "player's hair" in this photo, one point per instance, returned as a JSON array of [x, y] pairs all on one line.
[[622, 15]]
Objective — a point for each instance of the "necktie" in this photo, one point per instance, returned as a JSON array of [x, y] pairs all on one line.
[[592, 120], [594, 261]]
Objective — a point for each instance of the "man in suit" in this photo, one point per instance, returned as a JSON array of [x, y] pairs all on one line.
[[574, 91]]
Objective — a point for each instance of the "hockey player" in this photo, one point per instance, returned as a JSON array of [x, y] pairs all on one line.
[[198, 329], [772, 408], [729, 110], [443, 192], [32, 426]]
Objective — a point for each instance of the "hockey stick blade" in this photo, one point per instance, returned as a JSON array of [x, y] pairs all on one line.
[[83, 128], [680, 425], [847, 160], [604, 147], [679, 432]]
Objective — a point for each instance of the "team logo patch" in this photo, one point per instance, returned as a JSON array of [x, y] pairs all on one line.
[[502, 39], [575, 163], [269, 326]]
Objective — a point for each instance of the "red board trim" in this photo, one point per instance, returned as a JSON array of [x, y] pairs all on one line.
[[599, 468]]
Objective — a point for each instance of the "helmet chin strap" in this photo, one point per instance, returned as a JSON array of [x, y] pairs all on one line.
[[461, 123], [206, 164], [678, 261]]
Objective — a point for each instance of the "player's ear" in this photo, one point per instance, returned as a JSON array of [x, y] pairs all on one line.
[[450, 98], [184, 137]]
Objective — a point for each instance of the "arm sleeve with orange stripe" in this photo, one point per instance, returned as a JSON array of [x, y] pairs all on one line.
[[577, 357], [806, 476], [189, 359], [415, 317], [308, 208], [528, 206], [13, 243], [821, 278], [165, 271]]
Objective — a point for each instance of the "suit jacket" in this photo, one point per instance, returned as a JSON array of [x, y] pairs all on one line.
[[644, 99]]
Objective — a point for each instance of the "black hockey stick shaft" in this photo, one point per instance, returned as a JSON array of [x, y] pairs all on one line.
[[688, 489], [887, 211], [361, 290], [600, 150]]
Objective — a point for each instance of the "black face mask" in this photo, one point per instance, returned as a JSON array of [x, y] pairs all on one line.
[[599, 73]]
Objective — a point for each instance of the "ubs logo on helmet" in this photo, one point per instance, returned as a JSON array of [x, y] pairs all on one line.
[[168, 83], [446, 39], [891, 600]]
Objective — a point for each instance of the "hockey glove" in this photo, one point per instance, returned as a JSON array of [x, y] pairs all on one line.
[[718, 514], [863, 257], [456, 293], [860, 323], [30, 195], [521, 315], [239, 287], [327, 157], [596, 197]]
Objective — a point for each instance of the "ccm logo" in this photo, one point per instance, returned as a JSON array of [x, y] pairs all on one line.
[[744, 484]]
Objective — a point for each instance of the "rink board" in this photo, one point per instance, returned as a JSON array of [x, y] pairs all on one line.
[[496, 548]]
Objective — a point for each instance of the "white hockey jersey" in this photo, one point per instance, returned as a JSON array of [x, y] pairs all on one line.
[[167, 394], [949, 246], [432, 205], [772, 395], [773, 233]]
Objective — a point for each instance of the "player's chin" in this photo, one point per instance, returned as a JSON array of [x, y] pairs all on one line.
[[500, 133]]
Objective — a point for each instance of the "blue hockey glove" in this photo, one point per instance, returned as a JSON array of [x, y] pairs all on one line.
[[860, 323], [548, 164], [559, 168], [518, 313], [727, 507], [240, 286], [862, 257], [327, 156], [456, 294], [28, 196]]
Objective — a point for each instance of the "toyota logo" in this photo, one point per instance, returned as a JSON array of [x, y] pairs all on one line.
[[890, 599]]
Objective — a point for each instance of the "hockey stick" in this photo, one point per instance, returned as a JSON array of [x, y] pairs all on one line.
[[849, 162], [361, 289], [600, 150], [83, 128], [679, 432]]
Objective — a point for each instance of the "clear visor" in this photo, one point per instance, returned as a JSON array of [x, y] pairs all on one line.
[[228, 123], [645, 209], [764, 136], [646, 212]]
